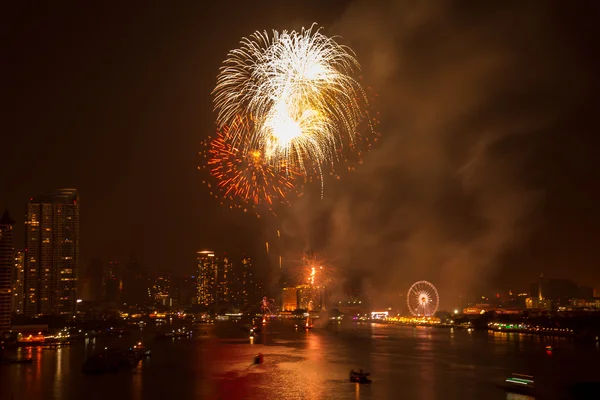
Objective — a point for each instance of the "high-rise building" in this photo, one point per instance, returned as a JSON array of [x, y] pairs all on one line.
[[136, 283], [311, 297], [289, 299], [6, 269], [161, 292], [52, 258], [93, 281], [225, 281], [245, 281], [207, 277], [18, 281], [112, 283], [186, 288]]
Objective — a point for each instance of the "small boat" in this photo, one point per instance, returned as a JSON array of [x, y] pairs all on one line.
[[359, 376], [141, 350], [519, 383], [258, 359]]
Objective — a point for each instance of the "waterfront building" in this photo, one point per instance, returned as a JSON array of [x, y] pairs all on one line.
[[52, 253], [6, 270]]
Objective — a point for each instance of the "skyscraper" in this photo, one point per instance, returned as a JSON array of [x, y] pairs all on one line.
[[112, 283], [18, 281], [92, 281], [52, 261], [161, 291], [136, 283], [186, 287], [207, 277], [245, 281], [225, 281], [6, 269]]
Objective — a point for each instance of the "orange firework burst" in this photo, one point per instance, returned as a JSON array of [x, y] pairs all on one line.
[[244, 177]]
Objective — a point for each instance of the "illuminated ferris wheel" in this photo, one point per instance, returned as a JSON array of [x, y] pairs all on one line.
[[422, 299]]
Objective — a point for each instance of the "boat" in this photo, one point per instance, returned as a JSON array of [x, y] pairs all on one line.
[[258, 359], [141, 350], [520, 383], [359, 376]]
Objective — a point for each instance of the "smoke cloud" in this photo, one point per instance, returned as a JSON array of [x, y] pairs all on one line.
[[449, 190]]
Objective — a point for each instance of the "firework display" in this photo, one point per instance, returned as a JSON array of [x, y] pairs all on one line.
[[301, 109], [245, 176]]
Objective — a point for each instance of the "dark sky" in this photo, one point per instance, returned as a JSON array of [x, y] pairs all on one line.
[[487, 170]]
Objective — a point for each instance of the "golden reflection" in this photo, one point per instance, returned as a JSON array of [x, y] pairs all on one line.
[[357, 390], [136, 384], [517, 396], [34, 379], [58, 364], [314, 342], [427, 371], [310, 373], [58, 387]]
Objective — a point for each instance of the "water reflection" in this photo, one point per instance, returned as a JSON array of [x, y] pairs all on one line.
[[419, 363], [517, 396], [136, 384], [427, 373], [58, 375]]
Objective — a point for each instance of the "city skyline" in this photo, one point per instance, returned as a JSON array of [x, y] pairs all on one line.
[[481, 178]]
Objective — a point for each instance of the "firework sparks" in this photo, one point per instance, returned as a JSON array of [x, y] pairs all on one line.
[[300, 90], [311, 277], [245, 176]]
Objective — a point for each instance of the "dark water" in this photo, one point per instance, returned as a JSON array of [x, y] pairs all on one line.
[[408, 363]]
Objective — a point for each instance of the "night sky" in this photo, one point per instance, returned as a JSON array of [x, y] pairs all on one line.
[[486, 172]]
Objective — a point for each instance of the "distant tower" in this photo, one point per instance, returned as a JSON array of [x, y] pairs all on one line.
[[6, 269], [540, 286], [52, 262]]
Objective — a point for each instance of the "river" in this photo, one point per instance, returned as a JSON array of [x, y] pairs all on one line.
[[216, 363]]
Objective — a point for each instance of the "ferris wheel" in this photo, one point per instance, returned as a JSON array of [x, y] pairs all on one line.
[[422, 299]]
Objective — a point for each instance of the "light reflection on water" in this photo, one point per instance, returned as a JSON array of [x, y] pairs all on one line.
[[58, 375], [412, 363]]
